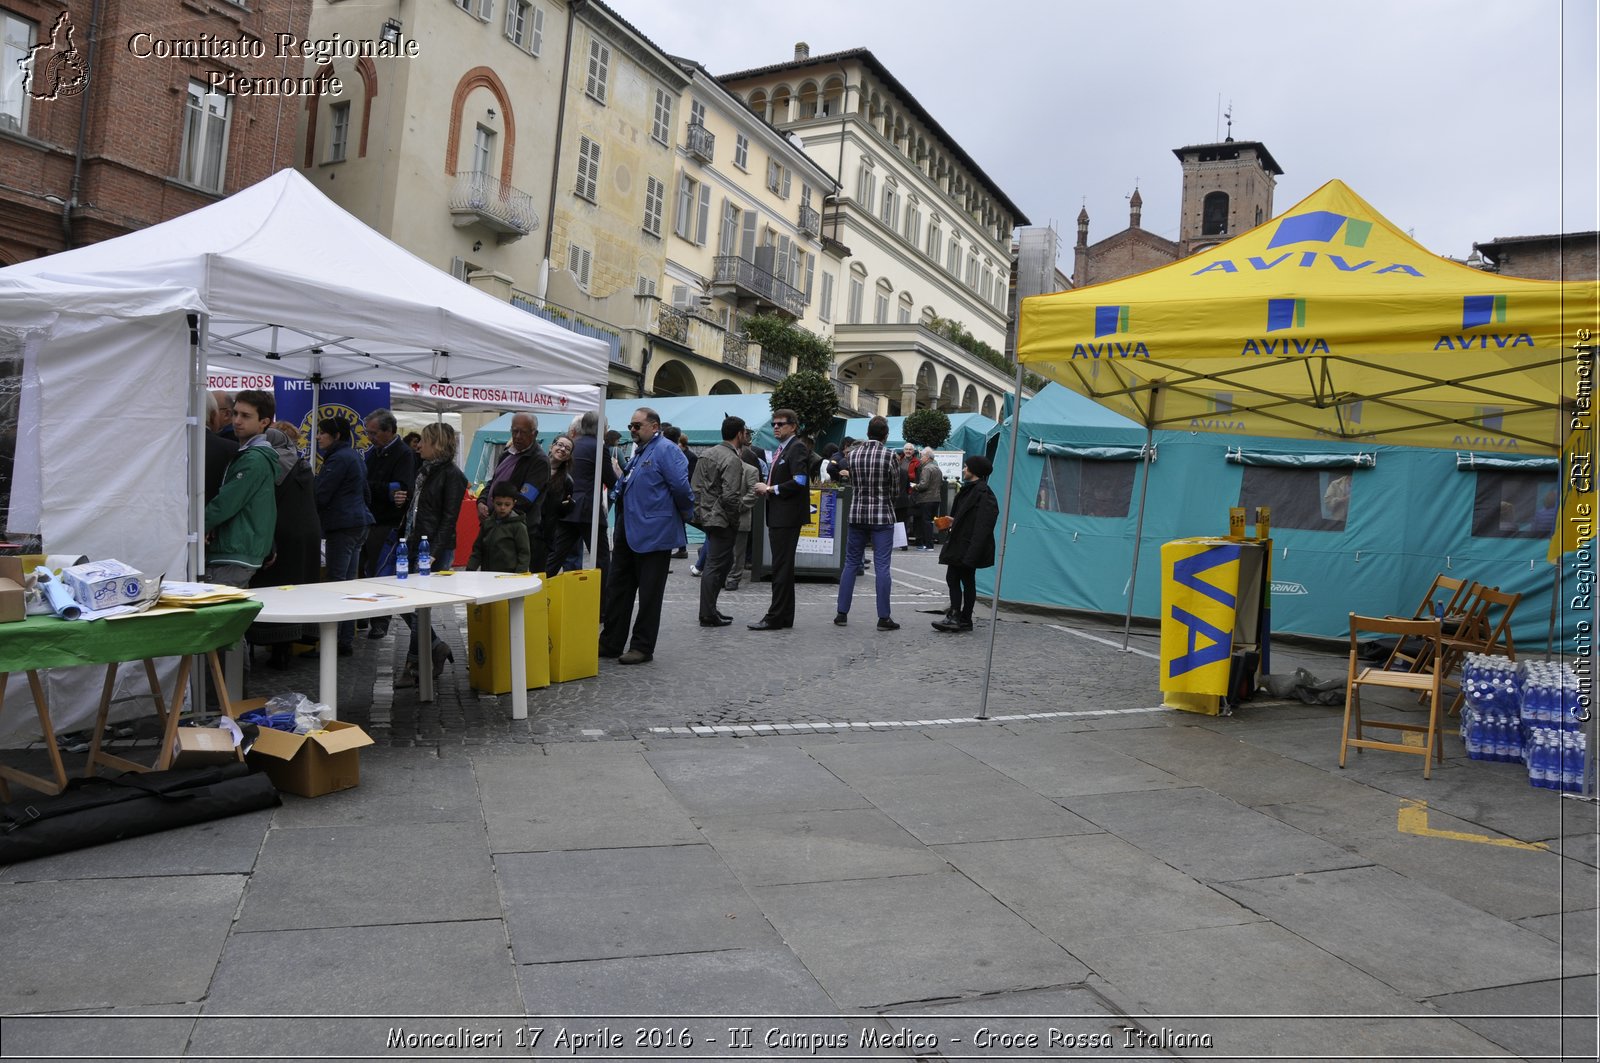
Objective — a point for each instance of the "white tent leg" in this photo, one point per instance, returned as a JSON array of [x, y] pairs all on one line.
[[199, 336], [1000, 551], [1138, 531]]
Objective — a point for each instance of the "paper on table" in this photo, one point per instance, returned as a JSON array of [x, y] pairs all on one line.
[[372, 597]]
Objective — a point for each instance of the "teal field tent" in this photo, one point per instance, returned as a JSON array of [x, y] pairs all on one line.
[[1355, 528], [970, 433]]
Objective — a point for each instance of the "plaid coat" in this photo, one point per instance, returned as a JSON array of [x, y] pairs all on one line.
[[875, 482]]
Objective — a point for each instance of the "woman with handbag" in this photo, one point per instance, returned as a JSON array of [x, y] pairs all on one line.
[[971, 542], [433, 506]]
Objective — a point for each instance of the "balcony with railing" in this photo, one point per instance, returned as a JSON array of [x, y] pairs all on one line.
[[702, 143], [672, 324], [810, 222], [773, 367], [479, 198], [570, 320], [736, 350], [751, 281]]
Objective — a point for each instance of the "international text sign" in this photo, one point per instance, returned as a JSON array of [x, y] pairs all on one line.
[[351, 403], [1199, 599]]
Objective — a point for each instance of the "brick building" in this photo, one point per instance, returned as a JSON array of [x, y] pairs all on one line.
[[1556, 257], [118, 124]]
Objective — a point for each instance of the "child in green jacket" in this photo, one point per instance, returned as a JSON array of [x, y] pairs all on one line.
[[502, 544]]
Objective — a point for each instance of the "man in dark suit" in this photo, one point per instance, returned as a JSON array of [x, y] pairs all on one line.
[[220, 449], [389, 462], [787, 491]]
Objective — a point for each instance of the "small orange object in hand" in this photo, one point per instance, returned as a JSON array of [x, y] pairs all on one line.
[[943, 523]]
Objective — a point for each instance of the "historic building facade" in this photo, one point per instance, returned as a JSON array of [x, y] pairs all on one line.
[[116, 116], [928, 233]]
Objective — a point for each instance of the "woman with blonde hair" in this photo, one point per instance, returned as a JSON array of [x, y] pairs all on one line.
[[433, 505]]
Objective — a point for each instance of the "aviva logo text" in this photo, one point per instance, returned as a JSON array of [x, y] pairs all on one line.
[[1492, 419], [1110, 321], [1484, 311], [1283, 315], [1219, 415], [1317, 227]]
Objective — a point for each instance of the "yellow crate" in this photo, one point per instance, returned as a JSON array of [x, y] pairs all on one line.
[[574, 625], [489, 636]]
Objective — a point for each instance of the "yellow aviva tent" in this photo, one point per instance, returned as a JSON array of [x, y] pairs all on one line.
[[1327, 322]]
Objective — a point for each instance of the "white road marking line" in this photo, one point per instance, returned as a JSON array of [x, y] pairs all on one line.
[[786, 728], [1105, 642]]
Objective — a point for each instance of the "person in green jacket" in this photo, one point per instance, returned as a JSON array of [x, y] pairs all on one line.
[[241, 519], [502, 545]]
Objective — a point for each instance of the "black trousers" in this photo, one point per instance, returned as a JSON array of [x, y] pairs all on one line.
[[568, 535], [783, 541], [963, 584], [923, 523], [719, 562], [372, 549], [642, 575]]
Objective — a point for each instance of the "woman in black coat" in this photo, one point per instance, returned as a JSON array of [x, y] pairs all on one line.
[[971, 542], [433, 506], [553, 506], [296, 544]]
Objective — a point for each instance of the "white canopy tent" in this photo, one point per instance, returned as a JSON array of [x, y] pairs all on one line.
[[113, 341]]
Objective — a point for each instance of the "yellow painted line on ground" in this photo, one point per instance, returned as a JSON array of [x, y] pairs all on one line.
[[1414, 820]]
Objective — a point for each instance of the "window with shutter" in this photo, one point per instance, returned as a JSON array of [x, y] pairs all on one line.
[[728, 238], [683, 221], [655, 195], [599, 71], [825, 306], [786, 176], [578, 264], [781, 268], [772, 174], [646, 285], [705, 215], [811, 269], [661, 130], [741, 151], [858, 291], [588, 168], [747, 245]]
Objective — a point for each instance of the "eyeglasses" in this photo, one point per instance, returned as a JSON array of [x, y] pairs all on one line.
[[634, 426], [781, 424]]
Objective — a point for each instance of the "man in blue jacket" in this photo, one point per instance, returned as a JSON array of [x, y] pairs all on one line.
[[653, 501]]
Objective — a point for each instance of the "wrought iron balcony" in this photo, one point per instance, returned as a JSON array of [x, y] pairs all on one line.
[[773, 367], [751, 281], [702, 142], [810, 222], [736, 350], [480, 199], [672, 324]]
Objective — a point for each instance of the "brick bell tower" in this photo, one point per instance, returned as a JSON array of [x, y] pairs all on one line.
[[1227, 190]]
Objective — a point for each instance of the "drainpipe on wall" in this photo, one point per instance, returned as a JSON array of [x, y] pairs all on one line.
[[83, 132], [555, 167]]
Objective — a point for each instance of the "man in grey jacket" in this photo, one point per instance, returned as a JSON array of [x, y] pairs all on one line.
[[718, 485]]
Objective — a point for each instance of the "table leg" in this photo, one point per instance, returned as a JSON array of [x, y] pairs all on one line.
[[169, 734], [519, 660], [225, 694], [233, 671], [28, 779], [105, 711], [424, 654], [328, 664]]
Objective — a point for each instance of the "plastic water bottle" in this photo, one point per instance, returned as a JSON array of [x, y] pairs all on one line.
[[402, 561], [424, 558], [1538, 754]]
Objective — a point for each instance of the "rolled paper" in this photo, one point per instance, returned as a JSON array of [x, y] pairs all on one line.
[[62, 603]]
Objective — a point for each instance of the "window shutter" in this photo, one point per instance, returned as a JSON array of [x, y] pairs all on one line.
[[748, 246], [485, 9], [682, 222], [825, 312], [680, 295], [786, 176], [458, 268], [646, 285], [811, 269], [729, 233], [511, 20], [535, 28], [705, 215], [772, 174], [781, 268]]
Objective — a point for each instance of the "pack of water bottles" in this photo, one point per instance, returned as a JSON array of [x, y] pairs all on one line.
[[1491, 724], [1525, 712], [1553, 740]]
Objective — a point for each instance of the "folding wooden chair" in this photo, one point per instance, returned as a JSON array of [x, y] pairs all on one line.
[[1422, 682], [1489, 631], [1455, 594]]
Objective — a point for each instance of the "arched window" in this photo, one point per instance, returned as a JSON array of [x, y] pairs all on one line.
[[880, 308], [758, 102], [1214, 214], [808, 100], [780, 105], [906, 305], [858, 291], [832, 97]]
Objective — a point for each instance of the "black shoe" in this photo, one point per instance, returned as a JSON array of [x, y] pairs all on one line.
[[764, 625], [841, 619], [723, 615], [731, 585], [347, 649], [886, 624], [634, 657], [681, 552], [719, 621], [378, 629], [953, 626]]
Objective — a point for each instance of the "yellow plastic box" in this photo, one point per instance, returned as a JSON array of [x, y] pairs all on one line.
[[574, 625], [489, 637]]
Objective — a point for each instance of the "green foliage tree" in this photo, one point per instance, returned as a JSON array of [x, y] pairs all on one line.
[[926, 428], [811, 396], [783, 339]]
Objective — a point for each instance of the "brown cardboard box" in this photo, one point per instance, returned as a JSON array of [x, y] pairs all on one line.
[[313, 764], [11, 569], [196, 747], [12, 606]]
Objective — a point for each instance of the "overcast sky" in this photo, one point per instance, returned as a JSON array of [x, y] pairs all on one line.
[[1452, 117]]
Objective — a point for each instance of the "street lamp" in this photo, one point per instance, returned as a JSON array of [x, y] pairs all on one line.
[[390, 33]]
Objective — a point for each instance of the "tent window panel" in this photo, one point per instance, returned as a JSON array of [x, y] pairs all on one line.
[[1514, 505], [1086, 488], [1304, 499]]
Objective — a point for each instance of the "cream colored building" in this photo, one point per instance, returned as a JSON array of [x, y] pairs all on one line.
[[742, 232], [928, 233]]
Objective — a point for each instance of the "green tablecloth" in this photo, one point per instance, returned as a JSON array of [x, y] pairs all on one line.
[[47, 642]]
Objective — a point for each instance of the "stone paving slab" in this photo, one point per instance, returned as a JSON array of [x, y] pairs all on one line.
[[1062, 765], [759, 980], [1390, 927], [1549, 1020], [311, 877], [397, 786], [749, 779], [71, 945], [220, 847], [416, 976], [155, 1032], [877, 943], [1208, 836], [578, 799], [609, 903], [938, 809], [817, 846], [1576, 932], [1066, 1022], [1094, 886]]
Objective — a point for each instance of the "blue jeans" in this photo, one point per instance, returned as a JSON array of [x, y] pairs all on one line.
[[344, 562], [855, 549]]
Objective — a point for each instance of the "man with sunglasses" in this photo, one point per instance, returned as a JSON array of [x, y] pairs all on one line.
[[788, 493], [653, 501]]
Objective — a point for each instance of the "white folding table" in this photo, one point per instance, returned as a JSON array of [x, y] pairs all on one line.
[[480, 588]]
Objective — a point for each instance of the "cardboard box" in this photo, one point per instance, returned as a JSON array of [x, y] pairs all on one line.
[[314, 764], [196, 747], [13, 603], [103, 584]]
